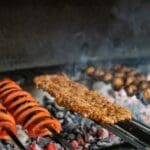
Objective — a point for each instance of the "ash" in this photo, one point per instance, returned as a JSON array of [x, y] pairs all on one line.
[[81, 132], [136, 104]]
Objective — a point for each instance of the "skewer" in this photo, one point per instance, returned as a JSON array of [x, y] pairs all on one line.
[[141, 133], [127, 136], [15, 139], [60, 139]]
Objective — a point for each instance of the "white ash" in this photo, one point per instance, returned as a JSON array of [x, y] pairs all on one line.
[[140, 111]]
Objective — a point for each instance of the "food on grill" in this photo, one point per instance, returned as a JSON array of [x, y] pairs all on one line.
[[132, 72], [140, 78], [107, 77], [119, 74], [117, 67], [26, 110], [147, 94], [143, 85], [90, 70], [131, 90], [6, 121], [129, 80], [80, 99], [118, 83], [98, 73]]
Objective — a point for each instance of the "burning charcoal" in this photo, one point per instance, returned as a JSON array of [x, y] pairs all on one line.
[[89, 138], [42, 141], [131, 90], [107, 77], [98, 73], [81, 141], [94, 129], [75, 144], [24, 137], [147, 94], [60, 115], [103, 133], [129, 80], [87, 146], [2, 146], [90, 70], [117, 83], [52, 146], [71, 136]]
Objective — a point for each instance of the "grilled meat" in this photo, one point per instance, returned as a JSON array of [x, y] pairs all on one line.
[[6, 121], [80, 99], [26, 110]]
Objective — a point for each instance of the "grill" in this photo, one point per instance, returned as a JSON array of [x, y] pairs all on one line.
[[79, 131], [52, 36]]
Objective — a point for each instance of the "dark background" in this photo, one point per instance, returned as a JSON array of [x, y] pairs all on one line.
[[43, 33]]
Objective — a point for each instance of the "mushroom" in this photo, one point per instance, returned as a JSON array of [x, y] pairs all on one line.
[[131, 90], [147, 94], [129, 80], [90, 70], [118, 83], [99, 72], [107, 77]]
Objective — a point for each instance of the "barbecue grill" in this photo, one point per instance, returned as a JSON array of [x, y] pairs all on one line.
[[47, 37]]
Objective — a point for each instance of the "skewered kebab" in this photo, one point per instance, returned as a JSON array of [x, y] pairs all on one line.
[[29, 113], [26, 110], [80, 99], [6, 121], [8, 128]]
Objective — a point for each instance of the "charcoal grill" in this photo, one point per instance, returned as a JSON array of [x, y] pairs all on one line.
[[39, 37], [134, 133]]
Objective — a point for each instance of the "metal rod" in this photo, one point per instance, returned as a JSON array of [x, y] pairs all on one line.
[[14, 138], [60, 139], [142, 134], [126, 136]]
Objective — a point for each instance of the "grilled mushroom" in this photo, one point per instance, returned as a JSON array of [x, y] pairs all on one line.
[[90, 70], [147, 94], [107, 77], [140, 78], [118, 83], [98, 73], [129, 80], [131, 90], [143, 85]]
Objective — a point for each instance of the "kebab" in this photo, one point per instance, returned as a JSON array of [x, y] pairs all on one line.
[[80, 99], [26, 110], [8, 128], [6, 121]]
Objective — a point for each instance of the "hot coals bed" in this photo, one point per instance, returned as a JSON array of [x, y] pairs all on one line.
[[81, 132]]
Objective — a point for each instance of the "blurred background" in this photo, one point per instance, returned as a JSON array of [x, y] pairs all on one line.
[[50, 32]]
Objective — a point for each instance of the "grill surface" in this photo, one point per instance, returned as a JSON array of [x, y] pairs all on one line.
[[24, 77]]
